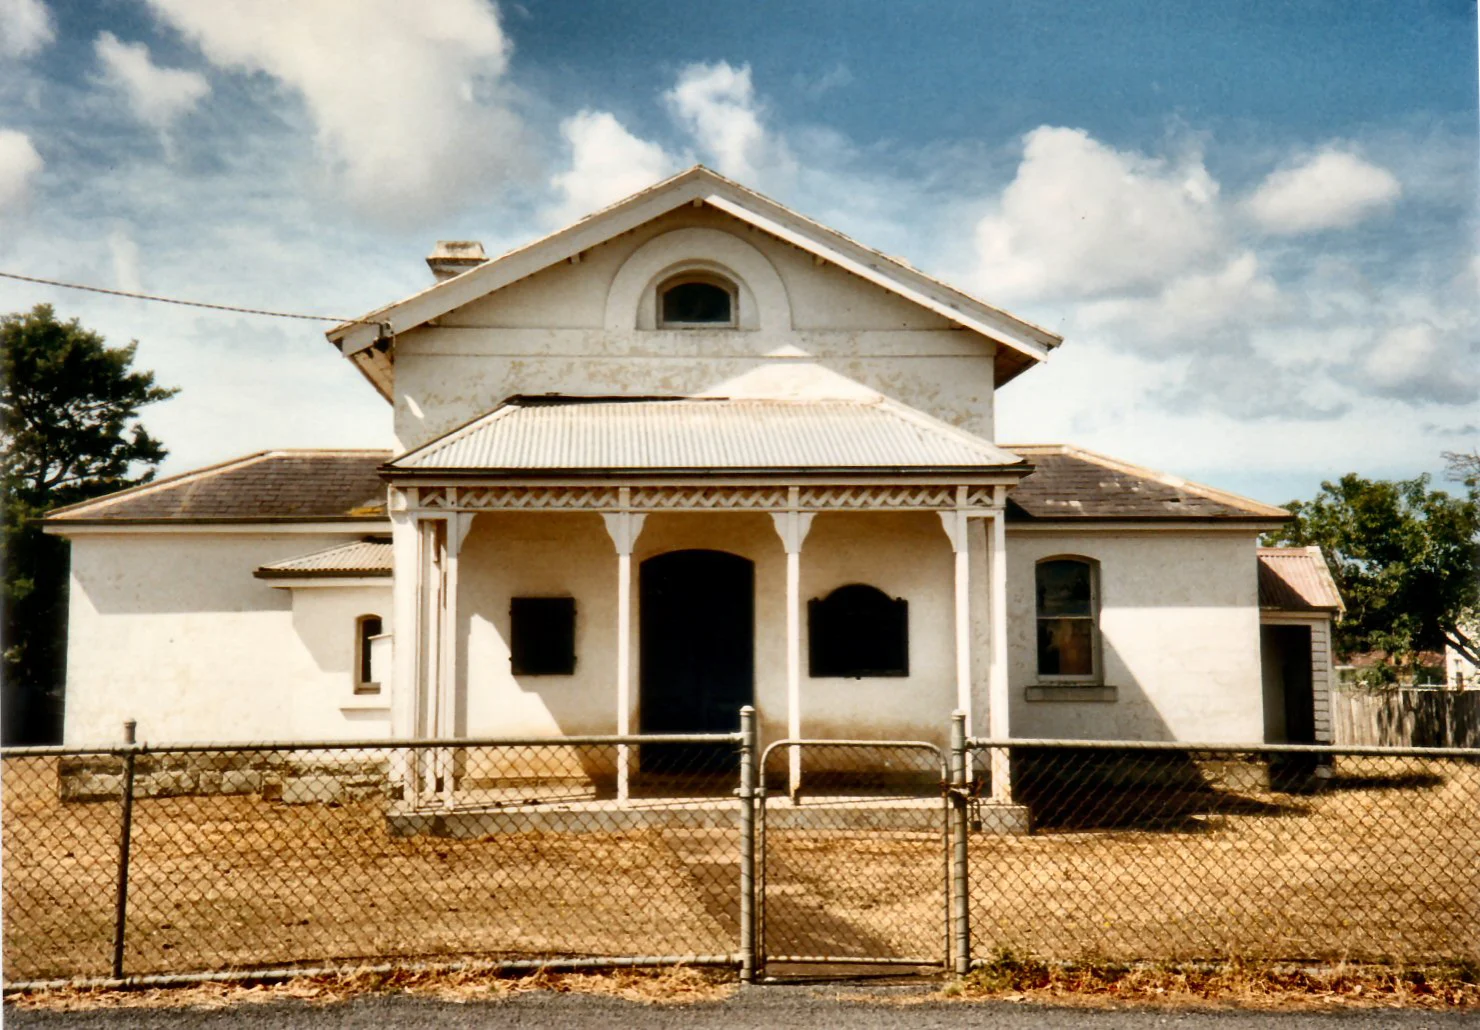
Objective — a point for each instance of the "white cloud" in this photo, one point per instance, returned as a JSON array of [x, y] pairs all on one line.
[[1082, 218], [607, 163], [716, 103], [406, 98], [1195, 309], [1332, 190], [156, 95], [1417, 362], [124, 251], [19, 164], [25, 27]]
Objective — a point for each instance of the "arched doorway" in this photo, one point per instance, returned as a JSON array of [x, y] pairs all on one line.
[[697, 653]]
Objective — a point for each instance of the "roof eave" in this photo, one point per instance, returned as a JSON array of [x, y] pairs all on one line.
[[392, 472], [266, 572], [700, 184]]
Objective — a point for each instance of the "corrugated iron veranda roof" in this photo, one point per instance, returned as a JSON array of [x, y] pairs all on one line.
[[1296, 579], [368, 557], [699, 435]]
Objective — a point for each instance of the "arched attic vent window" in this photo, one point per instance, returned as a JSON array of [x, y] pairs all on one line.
[[858, 631], [697, 300]]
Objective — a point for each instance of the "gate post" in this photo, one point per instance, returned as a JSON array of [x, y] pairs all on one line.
[[125, 838], [960, 881], [746, 794]]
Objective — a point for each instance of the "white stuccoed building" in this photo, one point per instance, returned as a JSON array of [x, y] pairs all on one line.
[[692, 452]]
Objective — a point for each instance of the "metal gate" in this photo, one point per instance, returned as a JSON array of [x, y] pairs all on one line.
[[853, 855]]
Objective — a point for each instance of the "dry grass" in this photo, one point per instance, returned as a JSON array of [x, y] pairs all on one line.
[[1009, 977], [1388, 870], [678, 985], [1381, 869]]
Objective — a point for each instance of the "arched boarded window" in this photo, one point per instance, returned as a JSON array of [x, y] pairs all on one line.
[[696, 300], [367, 628], [857, 631], [1068, 619]]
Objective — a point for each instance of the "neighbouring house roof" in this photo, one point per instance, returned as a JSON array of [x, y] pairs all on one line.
[[1070, 483], [1296, 579], [270, 486], [696, 436], [368, 557], [369, 340]]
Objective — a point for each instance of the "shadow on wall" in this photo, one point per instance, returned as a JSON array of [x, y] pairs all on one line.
[[1132, 715]]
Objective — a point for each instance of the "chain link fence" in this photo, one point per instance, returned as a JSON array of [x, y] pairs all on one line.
[[144, 861], [1172, 853], [852, 840], [340, 856]]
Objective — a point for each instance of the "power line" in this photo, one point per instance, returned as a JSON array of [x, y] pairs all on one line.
[[185, 303]]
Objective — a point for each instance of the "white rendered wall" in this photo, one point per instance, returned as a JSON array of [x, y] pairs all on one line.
[[821, 333], [1179, 624], [173, 630], [569, 554]]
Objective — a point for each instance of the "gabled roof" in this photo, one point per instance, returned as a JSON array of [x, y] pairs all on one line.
[[1071, 483], [698, 436], [269, 486], [366, 338], [1296, 579], [368, 557]]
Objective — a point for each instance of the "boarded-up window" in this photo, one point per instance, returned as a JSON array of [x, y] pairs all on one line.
[[1066, 618], [857, 631], [542, 636]]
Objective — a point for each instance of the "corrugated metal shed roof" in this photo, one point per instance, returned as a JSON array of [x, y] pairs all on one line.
[[1296, 579], [1071, 483], [268, 486], [368, 557], [605, 435]]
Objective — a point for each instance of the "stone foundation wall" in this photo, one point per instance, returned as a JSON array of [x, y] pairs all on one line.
[[288, 777]]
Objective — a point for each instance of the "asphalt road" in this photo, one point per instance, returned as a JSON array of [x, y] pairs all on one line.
[[762, 1009]]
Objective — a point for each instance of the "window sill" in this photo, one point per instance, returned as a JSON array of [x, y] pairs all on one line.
[[365, 703], [1070, 692]]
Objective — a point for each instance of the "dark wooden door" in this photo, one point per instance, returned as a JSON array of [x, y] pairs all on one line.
[[696, 653]]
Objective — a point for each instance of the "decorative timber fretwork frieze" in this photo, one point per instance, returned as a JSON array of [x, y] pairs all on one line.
[[703, 498]]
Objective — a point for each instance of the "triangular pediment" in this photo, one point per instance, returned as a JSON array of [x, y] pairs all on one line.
[[370, 338]]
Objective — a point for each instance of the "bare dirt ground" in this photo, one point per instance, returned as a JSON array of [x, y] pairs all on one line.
[[1379, 868]]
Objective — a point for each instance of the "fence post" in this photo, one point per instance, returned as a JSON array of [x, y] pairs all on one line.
[[746, 794], [960, 881], [125, 837]]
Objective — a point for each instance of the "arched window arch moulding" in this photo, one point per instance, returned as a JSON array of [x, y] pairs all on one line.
[[762, 297]]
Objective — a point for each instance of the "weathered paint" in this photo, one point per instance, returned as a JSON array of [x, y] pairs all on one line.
[[824, 333], [174, 631], [569, 554], [1179, 628]]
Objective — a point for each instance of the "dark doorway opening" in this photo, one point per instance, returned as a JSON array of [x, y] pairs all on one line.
[[697, 655], [1289, 702]]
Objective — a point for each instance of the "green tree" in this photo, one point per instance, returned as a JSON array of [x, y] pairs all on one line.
[[1407, 561], [69, 405]]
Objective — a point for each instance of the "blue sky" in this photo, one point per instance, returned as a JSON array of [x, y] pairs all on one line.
[[1254, 223]]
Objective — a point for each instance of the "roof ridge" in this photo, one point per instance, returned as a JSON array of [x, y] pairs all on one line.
[[1212, 493], [178, 479]]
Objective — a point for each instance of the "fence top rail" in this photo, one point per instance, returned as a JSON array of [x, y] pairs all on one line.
[[381, 744], [900, 745], [1355, 750]]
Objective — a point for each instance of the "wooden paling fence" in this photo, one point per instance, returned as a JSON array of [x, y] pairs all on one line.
[[1405, 717]]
